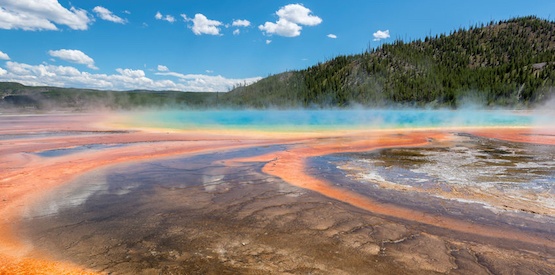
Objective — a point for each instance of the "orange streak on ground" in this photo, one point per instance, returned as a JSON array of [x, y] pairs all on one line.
[[525, 135], [291, 166], [26, 177]]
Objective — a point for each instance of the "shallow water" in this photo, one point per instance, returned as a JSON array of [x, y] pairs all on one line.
[[196, 215], [76, 149], [292, 120], [501, 176]]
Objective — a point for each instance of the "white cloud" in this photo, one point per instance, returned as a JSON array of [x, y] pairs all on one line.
[[203, 25], [107, 15], [298, 14], [131, 73], [332, 36], [4, 56], [74, 56], [241, 23], [268, 42], [200, 82], [282, 28], [379, 35], [166, 17], [236, 32], [291, 17], [124, 79], [162, 68], [33, 15], [169, 18]]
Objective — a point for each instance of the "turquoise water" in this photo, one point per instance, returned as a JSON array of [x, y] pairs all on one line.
[[328, 119]]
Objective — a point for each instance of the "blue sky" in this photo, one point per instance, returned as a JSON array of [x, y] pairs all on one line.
[[209, 45]]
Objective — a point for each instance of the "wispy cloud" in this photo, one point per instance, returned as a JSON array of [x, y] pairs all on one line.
[[166, 17], [201, 82], [241, 23], [74, 56], [291, 17], [122, 79], [35, 15], [4, 56], [107, 15], [379, 35], [130, 73], [332, 36], [203, 25], [162, 68]]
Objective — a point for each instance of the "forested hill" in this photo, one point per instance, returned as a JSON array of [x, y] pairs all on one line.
[[509, 63]]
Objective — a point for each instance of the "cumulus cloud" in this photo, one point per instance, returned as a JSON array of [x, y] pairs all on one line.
[[162, 68], [34, 15], [107, 15], [282, 27], [379, 35], [74, 56], [241, 23], [268, 41], [237, 32], [166, 17], [290, 19], [298, 14], [123, 79], [4, 56], [332, 36], [203, 25]]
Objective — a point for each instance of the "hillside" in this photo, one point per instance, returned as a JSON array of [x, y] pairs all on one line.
[[15, 95], [509, 63]]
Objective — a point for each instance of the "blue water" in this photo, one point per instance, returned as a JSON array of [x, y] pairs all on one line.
[[329, 119]]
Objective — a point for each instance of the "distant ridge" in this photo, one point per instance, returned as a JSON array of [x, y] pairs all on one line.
[[18, 96], [508, 63]]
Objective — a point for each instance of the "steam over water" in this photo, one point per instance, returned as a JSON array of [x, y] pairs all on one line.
[[329, 119]]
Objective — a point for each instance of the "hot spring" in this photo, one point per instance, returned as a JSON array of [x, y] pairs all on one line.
[[298, 120], [285, 191]]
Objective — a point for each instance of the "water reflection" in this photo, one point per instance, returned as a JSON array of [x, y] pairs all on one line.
[[496, 174], [197, 215], [76, 149]]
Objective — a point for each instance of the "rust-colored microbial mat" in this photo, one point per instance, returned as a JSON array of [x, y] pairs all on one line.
[[80, 197]]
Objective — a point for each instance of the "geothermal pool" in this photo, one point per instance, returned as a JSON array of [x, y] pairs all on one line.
[[249, 192], [313, 120]]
